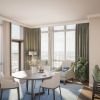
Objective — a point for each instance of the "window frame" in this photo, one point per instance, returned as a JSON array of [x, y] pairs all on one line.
[[20, 42]]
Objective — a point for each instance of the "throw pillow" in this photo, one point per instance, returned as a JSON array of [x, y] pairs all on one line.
[[65, 68]]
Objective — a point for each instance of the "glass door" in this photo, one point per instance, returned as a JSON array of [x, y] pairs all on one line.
[[17, 54], [14, 56]]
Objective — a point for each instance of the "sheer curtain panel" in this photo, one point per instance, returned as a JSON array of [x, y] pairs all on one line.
[[1, 49]]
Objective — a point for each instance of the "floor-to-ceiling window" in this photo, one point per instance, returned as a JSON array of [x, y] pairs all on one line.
[[16, 48], [62, 43], [44, 43], [70, 42], [58, 45]]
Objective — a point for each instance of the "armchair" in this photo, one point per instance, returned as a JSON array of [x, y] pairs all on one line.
[[68, 73]]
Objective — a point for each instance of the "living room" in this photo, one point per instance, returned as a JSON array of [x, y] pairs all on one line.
[[57, 35]]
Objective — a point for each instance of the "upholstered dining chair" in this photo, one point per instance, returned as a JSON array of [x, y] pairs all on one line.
[[96, 88], [52, 83], [7, 83]]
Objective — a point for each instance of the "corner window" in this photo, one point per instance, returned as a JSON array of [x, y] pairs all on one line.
[[16, 48], [61, 43]]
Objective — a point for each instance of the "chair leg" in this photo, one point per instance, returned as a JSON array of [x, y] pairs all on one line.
[[64, 82], [18, 93], [1, 94], [92, 96], [27, 85], [43, 88], [60, 92], [48, 91], [72, 79], [93, 93], [39, 92], [53, 94]]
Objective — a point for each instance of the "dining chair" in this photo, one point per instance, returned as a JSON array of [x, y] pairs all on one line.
[[51, 83], [96, 89], [7, 83], [96, 82]]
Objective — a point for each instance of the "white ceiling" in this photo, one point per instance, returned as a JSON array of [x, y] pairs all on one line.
[[40, 12]]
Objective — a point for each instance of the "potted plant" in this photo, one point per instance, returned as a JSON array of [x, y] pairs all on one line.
[[81, 69]]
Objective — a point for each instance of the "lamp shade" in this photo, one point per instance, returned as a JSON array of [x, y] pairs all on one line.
[[35, 53], [32, 53]]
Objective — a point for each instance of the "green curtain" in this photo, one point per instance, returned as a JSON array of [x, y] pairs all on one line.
[[31, 43], [82, 41]]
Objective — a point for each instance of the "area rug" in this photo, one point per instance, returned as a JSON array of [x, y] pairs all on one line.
[[70, 91]]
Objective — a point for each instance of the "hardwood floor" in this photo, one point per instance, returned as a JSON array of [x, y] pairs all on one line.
[[86, 94]]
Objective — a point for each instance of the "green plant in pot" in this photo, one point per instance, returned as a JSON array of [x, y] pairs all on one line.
[[81, 69]]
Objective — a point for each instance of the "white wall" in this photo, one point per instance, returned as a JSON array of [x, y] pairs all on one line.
[[0, 21], [6, 48], [94, 45]]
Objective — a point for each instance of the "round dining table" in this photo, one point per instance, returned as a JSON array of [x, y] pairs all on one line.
[[31, 75]]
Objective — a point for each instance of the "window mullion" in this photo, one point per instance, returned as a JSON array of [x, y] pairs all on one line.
[[65, 42]]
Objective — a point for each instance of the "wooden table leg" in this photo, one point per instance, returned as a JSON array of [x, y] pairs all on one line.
[[32, 89]]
